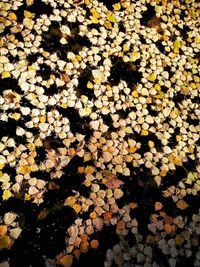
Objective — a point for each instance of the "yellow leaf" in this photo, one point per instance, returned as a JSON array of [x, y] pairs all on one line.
[[43, 119], [2, 166], [77, 208], [174, 159], [12, 16], [66, 260], [6, 194], [28, 14], [27, 197], [181, 204], [152, 77], [70, 201], [25, 170], [117, 6], [5, 74], [95, 13], [89, 85], [94, 20], [144, 132], [5, 241], [87, 156], [110, 17], [64, 105]]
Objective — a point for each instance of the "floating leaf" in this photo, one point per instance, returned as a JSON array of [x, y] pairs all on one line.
[[94, 244], [77, 253], [70, 201], [3, 229], [179, 240], [181, 204], [113, 183], [111, 17], [167, 228], [77, 208], [5, 241], [6, 194], [66, 260], [158, 206], [84, 247], [107, 215]]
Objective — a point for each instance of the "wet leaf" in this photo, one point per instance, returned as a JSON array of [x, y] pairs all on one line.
[[158, 206], [66, 260], [94, 244], [5, 241], [167, 228], [181, 204], [179, 240], [70, 201], [3, 229]]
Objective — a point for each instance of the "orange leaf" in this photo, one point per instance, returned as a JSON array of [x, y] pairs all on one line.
[[94, 244], [167, 228], [84, 247], [120, 227], [107, 215], [66, 260], [168, 219], [77, 253], [3, 229], [181, 204], [158, 206]]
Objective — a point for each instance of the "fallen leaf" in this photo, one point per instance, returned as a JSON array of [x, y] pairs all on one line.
[[179, 240], [94, 244], [112, 183], [70, 201], [181, 204], [107, 215], [158, 206], [5, 241], [66, 260], [84, 247], [3, 229], [167, 228]]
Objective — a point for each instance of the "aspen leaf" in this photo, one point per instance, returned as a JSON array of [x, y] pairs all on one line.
[[6, 194], [5, 241], [167, 228], [3, 229], [158, 206], [70, 201], [111, 17], [94, 244], [181, 204], [66, 260]]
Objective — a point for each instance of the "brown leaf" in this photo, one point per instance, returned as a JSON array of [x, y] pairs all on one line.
[[112, 183]]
